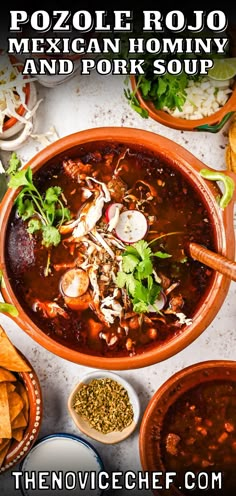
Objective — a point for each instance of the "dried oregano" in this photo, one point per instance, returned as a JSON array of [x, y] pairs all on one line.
[[105, 404]]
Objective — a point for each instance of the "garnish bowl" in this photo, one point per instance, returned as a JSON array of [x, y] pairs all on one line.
[[84, 426], [212, 123]]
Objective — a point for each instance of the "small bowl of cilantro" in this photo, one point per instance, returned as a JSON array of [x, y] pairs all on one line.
[[190, 103]]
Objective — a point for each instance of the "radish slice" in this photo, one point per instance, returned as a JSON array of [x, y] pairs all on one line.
[[132, 226], [159, 303], [111, 210], [74, 283]]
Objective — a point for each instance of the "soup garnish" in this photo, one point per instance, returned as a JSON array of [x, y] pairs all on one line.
[[105, 404], [45, 213], [120, 281]]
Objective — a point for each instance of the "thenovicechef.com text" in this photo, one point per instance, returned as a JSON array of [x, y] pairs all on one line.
[[103, 480]]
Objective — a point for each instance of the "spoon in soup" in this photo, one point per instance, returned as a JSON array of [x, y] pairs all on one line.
[[211, 259]]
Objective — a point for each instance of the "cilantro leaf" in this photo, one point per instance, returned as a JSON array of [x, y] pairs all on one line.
[[52, 194], [34, 225], [141, 292], [145, 268], [134, 103], [45, 212], [161, 254], [25, 208], [21, 178], [145, 86], [14, 164], [127, 280], [141, 111], [138, 276], [51, 236], [49, 209], [129, 262], [149, 282], [164, 91], [121, 279], [63, 214], [140, 307], [143, 249], [161, 88], [154, 293], [131, 249], [131, 284]]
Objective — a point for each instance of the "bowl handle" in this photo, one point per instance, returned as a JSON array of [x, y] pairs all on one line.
[[231, 174], [228, 178], [215, 128]]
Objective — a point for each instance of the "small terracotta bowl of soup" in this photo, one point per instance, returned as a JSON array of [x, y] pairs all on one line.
[[188, 432], [120, 291]]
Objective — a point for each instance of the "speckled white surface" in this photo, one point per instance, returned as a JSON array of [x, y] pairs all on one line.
[[93, 101]]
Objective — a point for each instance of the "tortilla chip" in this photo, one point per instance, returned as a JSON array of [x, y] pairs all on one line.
[[17, 434], [15, 405], [9, 358], [233, 161], [3, 444], [232, 135], [4, 452], [10, 387], [22, 392], [19, 421], [6, 376], [228, 157], [5, 422]]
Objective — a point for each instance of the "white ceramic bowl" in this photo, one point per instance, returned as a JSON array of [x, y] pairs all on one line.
[[61, 453], [84, 426]]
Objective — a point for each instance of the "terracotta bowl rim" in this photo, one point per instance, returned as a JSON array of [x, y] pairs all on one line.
[[165, 396], [223, 221], [19, 450]]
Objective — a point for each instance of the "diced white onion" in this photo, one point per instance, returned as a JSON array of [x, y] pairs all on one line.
[[204, 98]]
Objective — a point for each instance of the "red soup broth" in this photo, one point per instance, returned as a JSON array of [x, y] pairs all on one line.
[[199, 436], [138, 179]]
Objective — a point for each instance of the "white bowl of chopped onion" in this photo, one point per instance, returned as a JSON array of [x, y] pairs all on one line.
[[18, 104]]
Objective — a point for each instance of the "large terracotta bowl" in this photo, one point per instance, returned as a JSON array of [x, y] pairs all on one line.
[[222, 221], [213, 123], [151, 437]]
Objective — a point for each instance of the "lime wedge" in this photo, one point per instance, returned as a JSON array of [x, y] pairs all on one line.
[[223, 69]]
